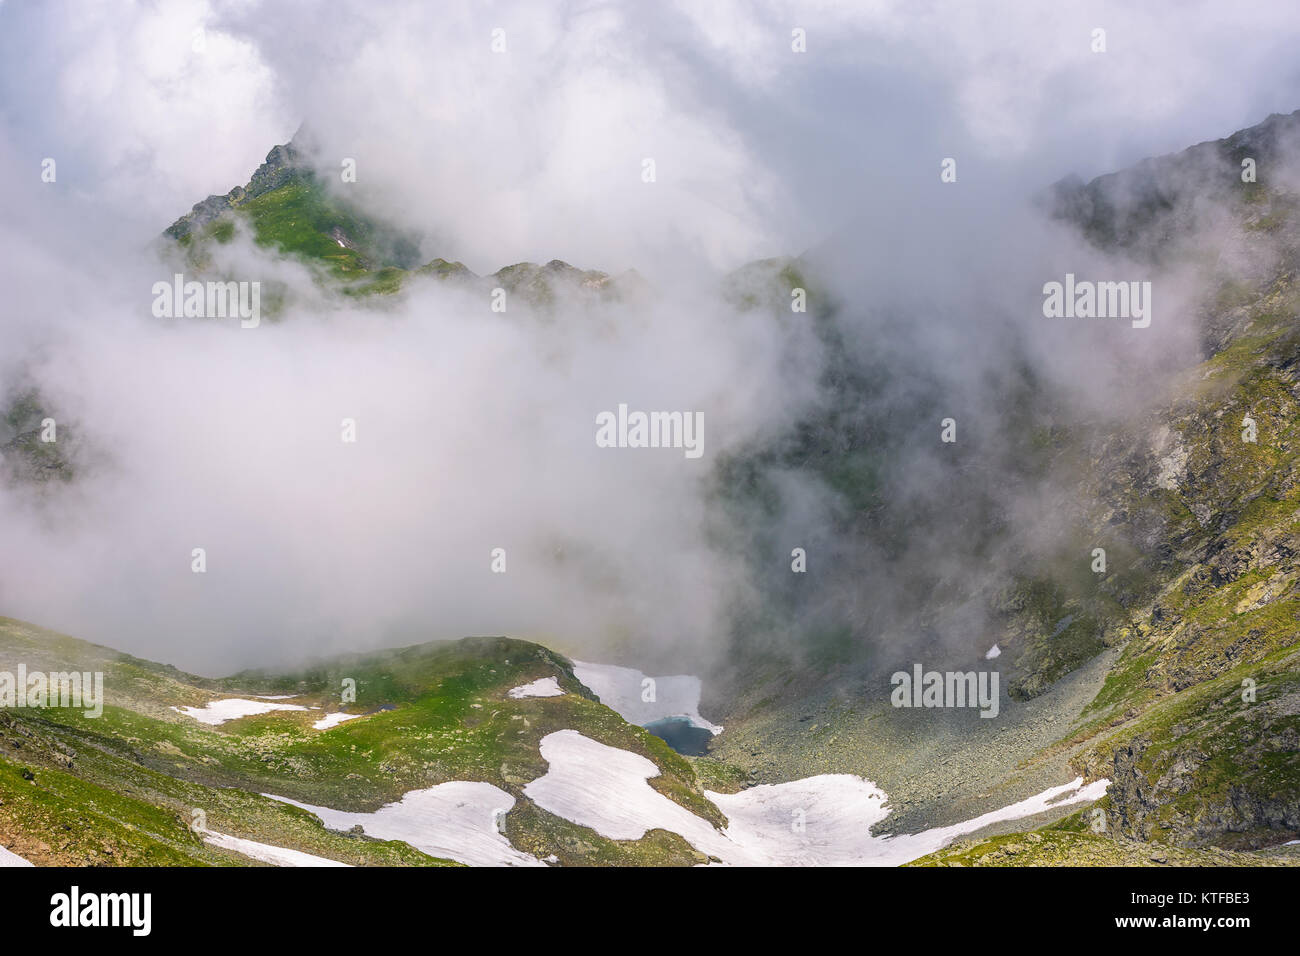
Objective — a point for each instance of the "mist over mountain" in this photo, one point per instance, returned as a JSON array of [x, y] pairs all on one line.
[[608, 434], [475, 428]]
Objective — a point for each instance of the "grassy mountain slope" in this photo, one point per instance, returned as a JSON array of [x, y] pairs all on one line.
[[122, 788], [291, 208], [1070, 842]]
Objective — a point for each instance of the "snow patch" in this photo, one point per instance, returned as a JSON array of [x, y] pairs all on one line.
[[837, 812], [543, 687], [9, 858], [819, 821], [604, 788], [619, 689], [264, 852], [219, 711], [456, 820], [333, 720]]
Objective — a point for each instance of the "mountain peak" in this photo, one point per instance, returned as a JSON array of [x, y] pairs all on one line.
[[283, 163]]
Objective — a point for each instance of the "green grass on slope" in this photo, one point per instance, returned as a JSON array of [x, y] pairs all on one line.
[[67, 803], [52, 816], [1215, 764], [303, 219], [1058, 848], [448, 717], [1071, 841]]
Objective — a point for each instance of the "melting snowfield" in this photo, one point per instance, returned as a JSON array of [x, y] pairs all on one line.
[[821, 821], [621, 689], [542, 687], [826, 821], [458, 821], [333, 720], [604, 788], [219, 711], [265, 853]]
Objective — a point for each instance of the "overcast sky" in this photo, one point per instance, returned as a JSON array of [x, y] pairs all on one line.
[[536, 153], [476, 430]]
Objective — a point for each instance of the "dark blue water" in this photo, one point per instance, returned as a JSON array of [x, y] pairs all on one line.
[[682, 735]]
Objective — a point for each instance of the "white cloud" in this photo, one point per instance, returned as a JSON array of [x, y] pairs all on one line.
[[477, 430]]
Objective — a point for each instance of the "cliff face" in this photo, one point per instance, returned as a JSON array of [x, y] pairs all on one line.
[[283, 165], [1194, 626], [30, 454], [1199, 722], [1149, 208]]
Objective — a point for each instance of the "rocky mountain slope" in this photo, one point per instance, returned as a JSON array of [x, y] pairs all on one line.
[[1175, 674], [291, 208]]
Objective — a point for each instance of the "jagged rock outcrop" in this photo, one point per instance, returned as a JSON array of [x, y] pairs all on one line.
[[1145, 207], [282, 165], [25, 456]]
